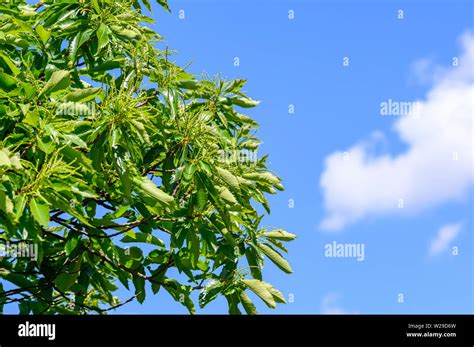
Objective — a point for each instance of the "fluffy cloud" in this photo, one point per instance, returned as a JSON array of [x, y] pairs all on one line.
[[437, 166], [330, 305], [444, 238]]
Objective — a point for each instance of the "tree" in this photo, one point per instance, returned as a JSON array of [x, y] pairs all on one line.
[[120, 165]]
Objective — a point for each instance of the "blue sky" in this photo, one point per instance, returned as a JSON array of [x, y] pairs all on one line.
[[300, 62]]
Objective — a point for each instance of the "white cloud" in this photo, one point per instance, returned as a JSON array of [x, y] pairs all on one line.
[[330, 305], [443, 239], [437, 166]]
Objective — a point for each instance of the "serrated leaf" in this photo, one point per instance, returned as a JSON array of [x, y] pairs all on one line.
[[180, 293], [278, 244], [189, 84], [73, 47], [43, 33], [244, 102], [194, 247], [229, 178], [280, 234], [7, 82], [83, 95], [233, 301], [264, 177], [260, 289], [234, 85], [59, 80], [164, 4], [10, 64], [4, 158], [225, 194], [201, 198], [133, 237], [210, 291], [20, 205], [275, 257], [142, 133], [252, 260], [147, 4], [249, 307], [6, 205], [102, 36], [227, 236], [150, 188], [40, 212], [277, 295]]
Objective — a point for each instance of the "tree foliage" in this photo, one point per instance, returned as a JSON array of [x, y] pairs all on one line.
[[118, 164]]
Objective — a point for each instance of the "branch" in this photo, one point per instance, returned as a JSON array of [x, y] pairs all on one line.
[[144, 102], [168, 155], [162, 170]]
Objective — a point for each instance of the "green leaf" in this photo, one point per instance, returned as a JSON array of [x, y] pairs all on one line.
[[227, 236], [201, 198], [164, 3], [249, 307], [4, 159], [252, 259], [180, 293], [18, 280], [40, 212], [233, 301], [71, 243], [194, 247], [146, 186], [264, 177], [106, 66], [46, 144], [228, 178], [20, 206], [43, 33], [133, 237], [83, 95], [66, 279], [280, 234], [275, 257], [147, 4], [189, 84], [261, 290], [244, 102], [139, 284], [234, 85], [277, 295], [10, 64], [129, 34], [6, 205], [227, 195], [59, 80], [76, 140], [210, 291], [7, 82], [102, 36], [141, 131]]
